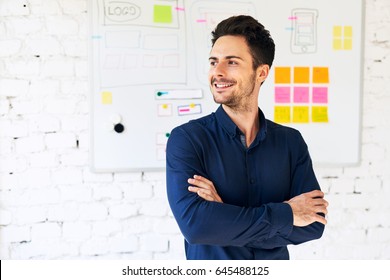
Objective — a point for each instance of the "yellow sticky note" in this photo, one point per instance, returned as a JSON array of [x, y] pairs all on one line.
[[348, 44], [319, 114], [300, 114], [192, 105], [337, 31], [106, 98], [165, 106], [282, 75], [282, 114], [320, 75], [337, 44], [348, 31], [162, 14], [301, 75]]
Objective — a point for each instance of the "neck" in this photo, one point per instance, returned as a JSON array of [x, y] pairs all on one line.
[[246, 120]]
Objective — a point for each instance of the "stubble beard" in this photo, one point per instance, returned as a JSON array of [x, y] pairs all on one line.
[[240, 99]]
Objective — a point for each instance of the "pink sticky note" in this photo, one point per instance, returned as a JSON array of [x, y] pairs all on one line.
[[320, 95], [282, 95], [301, 94]]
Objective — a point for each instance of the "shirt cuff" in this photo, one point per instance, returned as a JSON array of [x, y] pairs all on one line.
[[281, 219]]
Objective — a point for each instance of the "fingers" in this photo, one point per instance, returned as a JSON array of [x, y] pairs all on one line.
[[204, 188]]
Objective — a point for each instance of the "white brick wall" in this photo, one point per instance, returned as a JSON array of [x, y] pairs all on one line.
[[53, 207]]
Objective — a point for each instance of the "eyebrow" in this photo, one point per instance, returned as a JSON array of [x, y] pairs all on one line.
[[226, 57]]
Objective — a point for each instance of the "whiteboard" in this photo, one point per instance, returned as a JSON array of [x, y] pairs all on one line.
[[149, 64]]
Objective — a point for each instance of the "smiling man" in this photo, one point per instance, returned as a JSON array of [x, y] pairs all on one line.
[[239, 185]]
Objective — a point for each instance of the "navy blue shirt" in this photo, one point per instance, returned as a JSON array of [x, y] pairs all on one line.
[[253, 222]]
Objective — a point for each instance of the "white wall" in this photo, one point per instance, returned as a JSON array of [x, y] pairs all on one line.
[[53, 207]]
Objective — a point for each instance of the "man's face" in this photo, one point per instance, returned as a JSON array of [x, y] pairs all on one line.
[[231, 75]]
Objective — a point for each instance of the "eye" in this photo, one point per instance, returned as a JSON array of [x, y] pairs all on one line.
[[232, 62], [213, 63]]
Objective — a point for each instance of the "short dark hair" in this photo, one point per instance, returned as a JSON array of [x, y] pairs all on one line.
[[261, 45]]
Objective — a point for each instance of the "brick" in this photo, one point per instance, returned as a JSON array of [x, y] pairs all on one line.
[[73, 7], [166, 226], [76, 230], [123, 244], [67, 176], [46, 8], [79, 193], [24, 69], [10, 47], [25, 215], [342, 185], [93, 212], [154, 242], [14, 8], [64, 212], [30, 144], [368, 185], [6, 146], [41, 88], [25, 26], [107, 192], [123, 211], [13, 164], [154, 207], [13, 87], [77, 48], [45, 230], [76, 158], [106, 228], [91, 177], [61, 26], [14, 233], [60, 140], [39, 197], [43, 46], [5, 217], [138, 225], [95, 246], [45, 123], [44, 159], [4, 105], [136, 190], [58, 68]]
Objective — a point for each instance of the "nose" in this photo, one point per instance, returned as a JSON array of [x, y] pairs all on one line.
[[218, 70]]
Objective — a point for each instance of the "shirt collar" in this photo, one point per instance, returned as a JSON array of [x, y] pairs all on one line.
[[232, 129]]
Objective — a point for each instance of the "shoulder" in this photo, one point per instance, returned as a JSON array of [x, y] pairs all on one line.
[[290, 135], [196, 125]]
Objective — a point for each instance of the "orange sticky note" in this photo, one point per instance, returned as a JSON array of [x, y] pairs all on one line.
[[320, 75], [319, 114], [282, 75], [301, 75], [300, 114], [282, 114]]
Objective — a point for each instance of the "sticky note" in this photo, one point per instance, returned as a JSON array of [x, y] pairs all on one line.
[[337, 44], [319, 114], [282, 75], [320, 75], [282, 114], [106, 98], [282, 95], [301, 75], [320, 95], [337, 31], [301, 94], [162, 14], [164, 110], [300, 114], [347, 44], [348, 31]]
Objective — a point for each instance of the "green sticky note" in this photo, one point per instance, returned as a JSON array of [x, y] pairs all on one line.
[[162, 14]]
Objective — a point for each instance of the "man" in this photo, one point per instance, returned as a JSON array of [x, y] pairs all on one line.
[[239, 185]]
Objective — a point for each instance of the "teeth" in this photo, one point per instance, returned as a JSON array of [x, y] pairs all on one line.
[[223, 85]]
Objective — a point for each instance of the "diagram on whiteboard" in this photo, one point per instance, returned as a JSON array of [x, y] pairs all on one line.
[[149, 74]]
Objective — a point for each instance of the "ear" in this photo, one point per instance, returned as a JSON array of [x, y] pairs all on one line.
[[262, 72]]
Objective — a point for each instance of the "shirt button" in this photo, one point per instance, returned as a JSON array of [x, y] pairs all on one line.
[[252, 181]]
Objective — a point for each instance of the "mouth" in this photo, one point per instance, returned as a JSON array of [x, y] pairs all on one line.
[[222, 84]]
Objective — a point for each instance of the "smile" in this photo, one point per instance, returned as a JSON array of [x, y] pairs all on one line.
[[223, 85]]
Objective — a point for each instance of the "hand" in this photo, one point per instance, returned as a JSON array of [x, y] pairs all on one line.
[[204, 188], [307, 206]]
